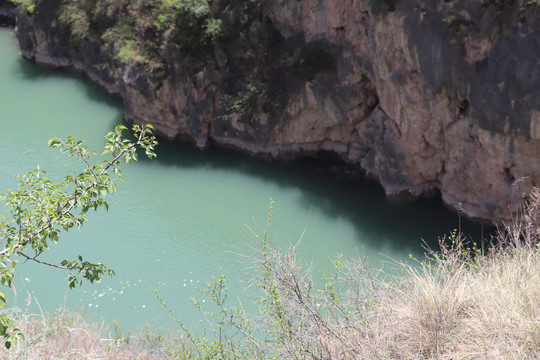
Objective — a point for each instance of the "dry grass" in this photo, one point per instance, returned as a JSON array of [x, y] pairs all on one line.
[[457, 304], [68, 335], [482, 308]]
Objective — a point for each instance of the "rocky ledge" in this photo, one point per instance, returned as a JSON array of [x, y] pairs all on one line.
[[421, 95]]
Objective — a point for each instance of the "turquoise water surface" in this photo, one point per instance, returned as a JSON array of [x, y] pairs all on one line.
[[181, 217]]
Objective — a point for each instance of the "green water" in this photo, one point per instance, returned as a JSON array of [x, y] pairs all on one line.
[[179, 218]]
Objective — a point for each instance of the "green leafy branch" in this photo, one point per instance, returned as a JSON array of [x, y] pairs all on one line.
[[40, 208]]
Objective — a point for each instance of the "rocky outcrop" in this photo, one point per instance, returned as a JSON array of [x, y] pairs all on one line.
[[422, 95], [7, 13]]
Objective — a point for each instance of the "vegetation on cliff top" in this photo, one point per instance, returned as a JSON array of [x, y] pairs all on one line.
[[458, 303]]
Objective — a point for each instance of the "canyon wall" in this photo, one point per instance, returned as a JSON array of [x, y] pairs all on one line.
[[422, 95]]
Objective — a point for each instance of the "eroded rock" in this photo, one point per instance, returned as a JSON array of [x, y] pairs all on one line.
[[421, 95]]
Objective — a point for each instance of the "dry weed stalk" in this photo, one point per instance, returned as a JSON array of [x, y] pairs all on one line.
[[68, 335], [460, 303]]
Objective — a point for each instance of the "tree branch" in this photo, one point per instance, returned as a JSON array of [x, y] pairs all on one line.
[[72, 202], [42, 262]]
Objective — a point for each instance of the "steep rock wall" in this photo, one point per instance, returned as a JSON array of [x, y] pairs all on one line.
[[421, 95], [8, 13]]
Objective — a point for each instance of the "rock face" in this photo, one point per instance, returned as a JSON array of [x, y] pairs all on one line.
[[7, 13], [423, 95]]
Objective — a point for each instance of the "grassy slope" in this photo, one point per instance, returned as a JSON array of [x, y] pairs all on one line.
[[458, 304]]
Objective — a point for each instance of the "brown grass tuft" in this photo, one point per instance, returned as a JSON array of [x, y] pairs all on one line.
[[68, 335]]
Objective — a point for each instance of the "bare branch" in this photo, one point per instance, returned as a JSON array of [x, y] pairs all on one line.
[[42, 262]]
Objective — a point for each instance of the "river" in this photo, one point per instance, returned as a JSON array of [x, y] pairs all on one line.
[[181, 217]]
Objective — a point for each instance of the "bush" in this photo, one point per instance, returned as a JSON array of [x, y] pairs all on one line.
[[74, 18], [458, 303], [69, 335]]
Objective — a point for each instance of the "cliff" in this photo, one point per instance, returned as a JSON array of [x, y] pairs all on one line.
[[422, 95], [8, 13]]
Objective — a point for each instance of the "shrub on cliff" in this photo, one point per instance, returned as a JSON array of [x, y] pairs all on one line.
[[27, 5], [382, 7]]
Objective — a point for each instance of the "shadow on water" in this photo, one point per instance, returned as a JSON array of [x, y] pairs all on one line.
[[361, 202]]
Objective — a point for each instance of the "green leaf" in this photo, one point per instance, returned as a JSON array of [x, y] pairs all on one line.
[[41, 208], [54, 142]]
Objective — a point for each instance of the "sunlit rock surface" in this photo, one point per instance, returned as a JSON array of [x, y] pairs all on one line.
[[421, 95]]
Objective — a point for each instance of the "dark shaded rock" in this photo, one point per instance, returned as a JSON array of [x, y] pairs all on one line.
[[422, 95], [8, 13]]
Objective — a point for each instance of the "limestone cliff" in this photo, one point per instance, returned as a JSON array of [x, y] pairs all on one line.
[[421, 94]]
